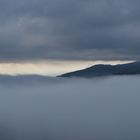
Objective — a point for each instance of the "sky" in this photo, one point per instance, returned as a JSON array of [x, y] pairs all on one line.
[[69, 30]]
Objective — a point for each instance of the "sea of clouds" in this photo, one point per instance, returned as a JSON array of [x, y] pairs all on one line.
[[38, 108]]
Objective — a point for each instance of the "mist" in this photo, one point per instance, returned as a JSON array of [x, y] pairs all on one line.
[[38, 108]]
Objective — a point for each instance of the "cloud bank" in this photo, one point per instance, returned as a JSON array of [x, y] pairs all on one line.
[[69, 29], [69, 109]]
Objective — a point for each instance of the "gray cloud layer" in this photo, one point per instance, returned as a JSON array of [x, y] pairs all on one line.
[[39, 108], [69, 29]]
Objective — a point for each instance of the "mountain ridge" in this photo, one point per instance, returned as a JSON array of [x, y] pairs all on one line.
[[106, 70]]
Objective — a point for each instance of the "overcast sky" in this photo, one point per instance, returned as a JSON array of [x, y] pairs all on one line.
[[69, 29]]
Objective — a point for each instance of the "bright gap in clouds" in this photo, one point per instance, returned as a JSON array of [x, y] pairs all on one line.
[[50, 67]]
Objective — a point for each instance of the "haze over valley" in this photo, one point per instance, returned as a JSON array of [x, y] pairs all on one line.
[[74, 109]]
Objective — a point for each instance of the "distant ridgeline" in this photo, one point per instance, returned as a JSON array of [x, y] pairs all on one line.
[[106, 70]]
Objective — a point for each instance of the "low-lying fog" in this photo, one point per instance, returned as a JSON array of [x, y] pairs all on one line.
[[70, 109]]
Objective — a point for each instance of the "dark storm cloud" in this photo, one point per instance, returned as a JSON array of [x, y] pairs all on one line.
[[69, 29]]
